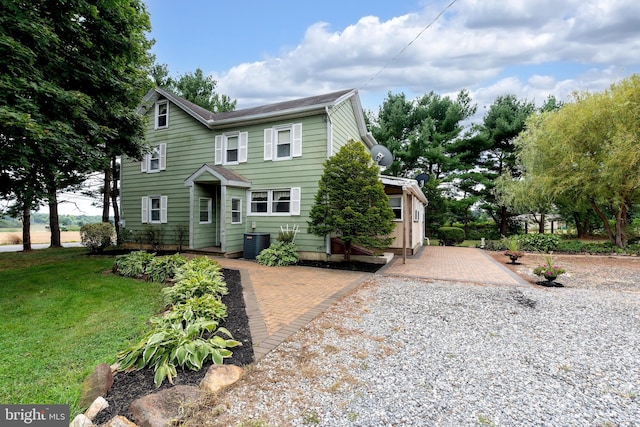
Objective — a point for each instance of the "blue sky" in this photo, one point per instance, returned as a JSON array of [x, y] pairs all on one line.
[[268, 51], [261, 52]]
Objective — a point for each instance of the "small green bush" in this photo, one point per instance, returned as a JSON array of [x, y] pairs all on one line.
[[450, 236], [97, 237], [539, 242], [278, 254], [133, 264]]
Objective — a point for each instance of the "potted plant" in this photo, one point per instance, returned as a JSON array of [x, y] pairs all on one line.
[[513, 249], [549, 270]]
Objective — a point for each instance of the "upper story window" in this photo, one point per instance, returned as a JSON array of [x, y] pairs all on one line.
[[283, 142], [284, 201], [395, 201], [156, 160], [162, 114], [231, 148]]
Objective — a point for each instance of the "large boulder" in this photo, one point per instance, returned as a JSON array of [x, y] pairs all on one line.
[[97, 384], [119, 421], [165, 407]]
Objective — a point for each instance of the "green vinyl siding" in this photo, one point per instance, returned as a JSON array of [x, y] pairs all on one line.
[[189, 145], [344, 126]]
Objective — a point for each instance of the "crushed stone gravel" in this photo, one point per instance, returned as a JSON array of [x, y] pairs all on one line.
[[405, 352]]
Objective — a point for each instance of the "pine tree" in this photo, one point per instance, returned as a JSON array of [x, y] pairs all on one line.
[[351, 201]]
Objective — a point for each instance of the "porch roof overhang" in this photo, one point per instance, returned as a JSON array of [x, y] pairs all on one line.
[[410, 185], [225, 176]]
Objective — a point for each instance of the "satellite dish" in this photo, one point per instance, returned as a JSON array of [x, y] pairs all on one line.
[[381, 155], [422, 179]]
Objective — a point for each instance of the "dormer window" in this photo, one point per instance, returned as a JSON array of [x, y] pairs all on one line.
[[162, 114]]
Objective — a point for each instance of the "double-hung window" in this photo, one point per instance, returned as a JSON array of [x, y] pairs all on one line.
[[236, 210], [205, 210], [283, 142], [156, 160], [285, 201], [231, 148], [395, 201], [154, 210], [162, 114]]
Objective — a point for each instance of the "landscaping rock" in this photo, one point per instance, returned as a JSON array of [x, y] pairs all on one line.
[[162, 408], [220, 376], [98, 405], [97, 384], [119, 421], [81, 420]]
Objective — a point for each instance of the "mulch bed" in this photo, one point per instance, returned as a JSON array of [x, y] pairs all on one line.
[[343, 265], [129, 386]]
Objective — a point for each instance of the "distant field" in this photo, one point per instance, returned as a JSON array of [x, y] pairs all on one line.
[[8, 235]]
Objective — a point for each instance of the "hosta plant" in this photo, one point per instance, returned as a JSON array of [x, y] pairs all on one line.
[[164, 268], [195, 284], [133, 264], [203, 307], [278, 254], [178, 344]]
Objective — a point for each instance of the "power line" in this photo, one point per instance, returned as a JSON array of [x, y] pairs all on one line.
[[408, 44]]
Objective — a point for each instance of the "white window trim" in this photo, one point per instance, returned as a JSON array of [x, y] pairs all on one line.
[[209, 202], [220, 154], [146, 209], [239, 210], [157, 113], [401, 198], [294, 202], [162, 163], [271, 142]]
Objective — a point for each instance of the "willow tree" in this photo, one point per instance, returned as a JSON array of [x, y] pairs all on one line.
[[351, 202], [589, 151]]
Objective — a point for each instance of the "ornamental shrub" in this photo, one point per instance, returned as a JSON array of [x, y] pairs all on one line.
[[539, 242], [450, 236], [278, 254], [97, 237]]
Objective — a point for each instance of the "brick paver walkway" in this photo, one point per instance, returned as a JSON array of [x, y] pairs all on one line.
[[454, 264], [281, 300]]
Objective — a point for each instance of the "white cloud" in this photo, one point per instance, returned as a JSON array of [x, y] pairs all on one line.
[[474, 46]]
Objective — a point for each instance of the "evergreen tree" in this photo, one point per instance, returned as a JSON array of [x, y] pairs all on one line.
[[351, 201]]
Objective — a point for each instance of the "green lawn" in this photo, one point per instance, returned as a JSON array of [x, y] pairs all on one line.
[[61, 313]]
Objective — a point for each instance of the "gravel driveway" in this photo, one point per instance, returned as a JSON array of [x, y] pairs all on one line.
[[404, 352]]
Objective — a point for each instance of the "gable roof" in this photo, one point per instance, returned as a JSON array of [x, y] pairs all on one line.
[[280, 110]]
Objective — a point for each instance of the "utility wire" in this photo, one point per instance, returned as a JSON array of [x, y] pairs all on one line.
[[408, 44]]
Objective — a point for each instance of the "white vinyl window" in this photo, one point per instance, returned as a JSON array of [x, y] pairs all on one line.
[[156, 160], [154, 210], [236, 211], [232, 148], [396, 204], [205, 210], [283, 142], [162, 114], [275, 202]]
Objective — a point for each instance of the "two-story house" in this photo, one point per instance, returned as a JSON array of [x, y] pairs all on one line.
[[223, 175]]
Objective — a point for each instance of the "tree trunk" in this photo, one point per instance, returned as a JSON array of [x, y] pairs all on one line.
[[605, 222], [54, 223], [114, 201], [106, 194], [347, 251], [541, 223], [621, 225], [26, 228], [504, 226]]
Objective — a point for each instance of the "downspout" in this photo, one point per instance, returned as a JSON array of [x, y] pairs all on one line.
[[191, 190], [404, 224], [329, 153]]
